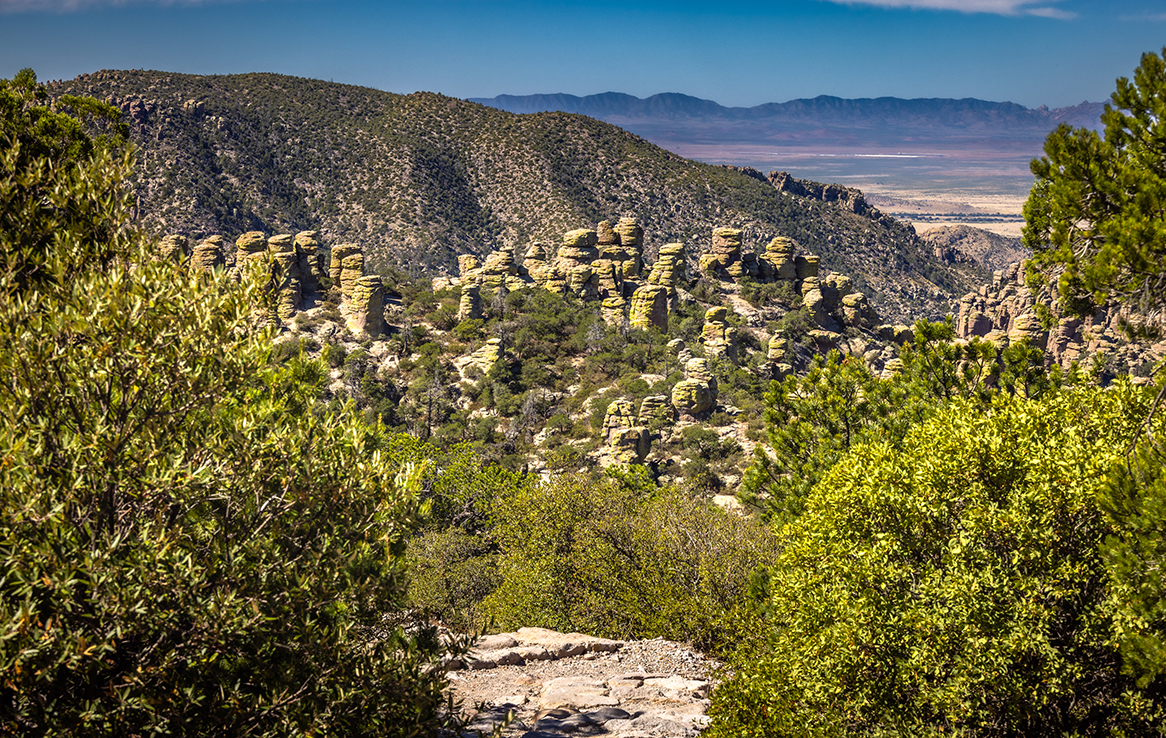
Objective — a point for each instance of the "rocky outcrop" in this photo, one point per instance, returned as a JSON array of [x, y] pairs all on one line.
[[351, 269], [777, 263], [310, 264], [668, 271], [613, 310], [695, 396], [470, 302], [340, 252], [1008, 311], [208, 254], [723, 258], [249, 247], [486, 356], [649, 307], [628, 442], [366, 309], [286, 275], [175, 248], [720, 338], [656, 408]]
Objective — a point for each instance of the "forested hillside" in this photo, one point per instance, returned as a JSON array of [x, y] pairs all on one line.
[[418, 179]]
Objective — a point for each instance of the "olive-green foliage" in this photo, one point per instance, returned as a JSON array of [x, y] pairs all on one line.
[[812, 420], [1096, 206], [953, 584], [57, 183], [1135, 502], [450, 573], [185, 546], [621, 558]]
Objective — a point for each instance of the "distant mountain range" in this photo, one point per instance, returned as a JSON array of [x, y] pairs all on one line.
[[969, 115]]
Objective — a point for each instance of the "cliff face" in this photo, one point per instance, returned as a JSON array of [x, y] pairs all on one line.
[[418, 179]]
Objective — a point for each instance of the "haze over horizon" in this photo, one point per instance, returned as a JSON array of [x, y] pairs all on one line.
[[739, 54]]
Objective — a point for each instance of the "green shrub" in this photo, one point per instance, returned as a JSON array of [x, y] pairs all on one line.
[[450, 573], [621, 558], [186, 547], [952, 585]]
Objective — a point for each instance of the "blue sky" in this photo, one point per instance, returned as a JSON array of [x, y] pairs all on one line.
[[747, 52]]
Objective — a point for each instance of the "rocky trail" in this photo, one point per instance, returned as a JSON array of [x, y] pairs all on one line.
[[569, 684]]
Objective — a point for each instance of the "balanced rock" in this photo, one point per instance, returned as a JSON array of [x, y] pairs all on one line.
[[467, 263], [250, 246], [724, 256], [649, 307], [720, 338], [696, 395], [777, 263], [806, 267]]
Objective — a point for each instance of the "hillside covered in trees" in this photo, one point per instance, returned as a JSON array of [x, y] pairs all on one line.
[[263, 483], [418, 179]]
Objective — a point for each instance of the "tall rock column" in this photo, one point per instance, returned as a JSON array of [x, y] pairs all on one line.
[[351, 269], [631, 240], [668, 271], [696, 395], [574, 259], [649, 307], [720, 338], [340, 252], [629, 441], [366, 310], [288, 282], [310, 265]]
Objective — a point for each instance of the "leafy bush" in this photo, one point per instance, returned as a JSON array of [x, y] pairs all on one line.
[[185, 546], [953, 584], [622, 558]]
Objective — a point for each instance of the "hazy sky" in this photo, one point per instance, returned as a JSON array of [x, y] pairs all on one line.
[[736, 52]]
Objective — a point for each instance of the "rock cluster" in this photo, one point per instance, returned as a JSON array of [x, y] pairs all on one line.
[[627, 439], [1006, 311], [294, 267], [724, 256], [595, 264], [555, 685]]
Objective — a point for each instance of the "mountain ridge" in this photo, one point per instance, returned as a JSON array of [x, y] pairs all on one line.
[[823, 109]]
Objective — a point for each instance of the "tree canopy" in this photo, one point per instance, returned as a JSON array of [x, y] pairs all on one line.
[[1098, 208]]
